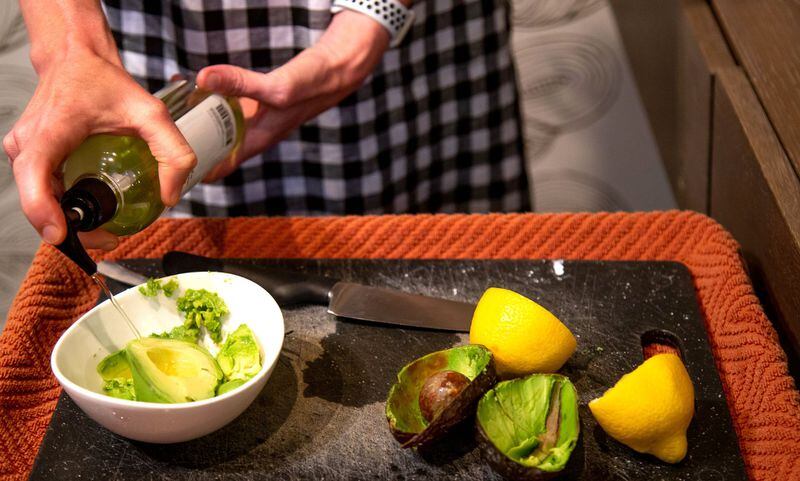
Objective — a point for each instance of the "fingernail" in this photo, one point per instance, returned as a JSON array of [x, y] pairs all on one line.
[[212, 80], [50, 234]]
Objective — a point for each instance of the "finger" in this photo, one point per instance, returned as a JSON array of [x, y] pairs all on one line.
[[174, 155], [307, 75], [272, 126], [10, 146], [33, 173], [221, 170], [99, 239]]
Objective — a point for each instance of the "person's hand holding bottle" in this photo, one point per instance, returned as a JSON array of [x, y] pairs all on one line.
[[83, 89], [315, 80]]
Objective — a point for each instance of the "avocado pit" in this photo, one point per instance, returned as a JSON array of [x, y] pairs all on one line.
[[439, 391]]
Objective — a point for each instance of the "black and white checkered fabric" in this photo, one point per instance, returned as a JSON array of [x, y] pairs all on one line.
[[436, 128]]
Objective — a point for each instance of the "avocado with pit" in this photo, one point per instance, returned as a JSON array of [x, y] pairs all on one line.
[[528, 428], [438, 391], [172, 371]]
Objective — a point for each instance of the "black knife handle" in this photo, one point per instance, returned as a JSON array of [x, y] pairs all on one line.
[[285, 286]]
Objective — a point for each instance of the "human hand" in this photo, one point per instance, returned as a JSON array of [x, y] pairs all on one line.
[[318, 78], [80, 93]]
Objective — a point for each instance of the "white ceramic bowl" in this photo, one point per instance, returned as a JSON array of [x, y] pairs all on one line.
[[102, 331]]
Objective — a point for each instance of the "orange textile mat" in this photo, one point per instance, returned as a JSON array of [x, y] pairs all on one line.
[[762, 398]]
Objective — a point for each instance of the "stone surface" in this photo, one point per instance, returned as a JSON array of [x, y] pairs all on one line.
[[321, 416]]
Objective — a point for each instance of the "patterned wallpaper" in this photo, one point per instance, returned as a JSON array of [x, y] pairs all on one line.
[[588, 142], [18, 241]]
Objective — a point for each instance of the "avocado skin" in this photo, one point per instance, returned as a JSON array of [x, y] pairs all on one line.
[[510, 469], [461, 408], [506, 467]]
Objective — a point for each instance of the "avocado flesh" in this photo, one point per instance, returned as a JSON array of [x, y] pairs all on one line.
[[402, 406], [114, 366], [531, 422], [172, 371]]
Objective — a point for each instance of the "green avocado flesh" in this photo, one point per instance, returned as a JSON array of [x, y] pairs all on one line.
[[153, 286], [172, 371], [532, 421], [116, 374], [171, 367], [181, 333], [203, 308], [239, 358], [402, 406], [114, 366]]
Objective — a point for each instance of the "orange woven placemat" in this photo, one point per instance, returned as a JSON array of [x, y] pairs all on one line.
[[762, 398]]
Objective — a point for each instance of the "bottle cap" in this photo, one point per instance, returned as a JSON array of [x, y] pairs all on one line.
[[87, 205]]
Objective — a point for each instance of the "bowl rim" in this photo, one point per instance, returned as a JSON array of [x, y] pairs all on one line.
[[69, 385]]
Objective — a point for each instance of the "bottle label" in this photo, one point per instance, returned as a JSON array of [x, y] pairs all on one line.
[[210, 129]]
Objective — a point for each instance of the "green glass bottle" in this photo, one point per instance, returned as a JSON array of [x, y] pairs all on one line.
[[111, 181]]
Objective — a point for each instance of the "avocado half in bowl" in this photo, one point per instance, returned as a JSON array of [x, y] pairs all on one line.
[[528, 428], [438, 391]]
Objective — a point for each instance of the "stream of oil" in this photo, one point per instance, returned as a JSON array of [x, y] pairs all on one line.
[[100, 282]]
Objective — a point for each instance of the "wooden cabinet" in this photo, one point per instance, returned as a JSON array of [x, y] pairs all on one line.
[[720, 80]]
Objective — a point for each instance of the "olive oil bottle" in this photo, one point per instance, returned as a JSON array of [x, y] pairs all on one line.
[[111, 181]]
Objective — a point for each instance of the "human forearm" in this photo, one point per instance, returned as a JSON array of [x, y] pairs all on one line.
[[59, 28]]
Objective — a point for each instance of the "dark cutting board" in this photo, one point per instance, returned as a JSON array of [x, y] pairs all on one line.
[[321, 414]]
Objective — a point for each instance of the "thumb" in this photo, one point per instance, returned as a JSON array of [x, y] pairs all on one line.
[[175, 157], [232, 81], [305, 76]]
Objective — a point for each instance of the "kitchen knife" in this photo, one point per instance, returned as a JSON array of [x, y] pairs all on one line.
[[120, 273], [344, 299]]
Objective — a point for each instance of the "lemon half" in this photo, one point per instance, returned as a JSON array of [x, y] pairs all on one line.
[[523, 336], [650, 408]]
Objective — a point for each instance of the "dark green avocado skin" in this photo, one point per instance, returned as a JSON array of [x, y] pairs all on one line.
[[506, 467], [462, 407]]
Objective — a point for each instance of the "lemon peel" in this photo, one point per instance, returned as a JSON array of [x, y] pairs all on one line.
[[523, 336], [650, 408]]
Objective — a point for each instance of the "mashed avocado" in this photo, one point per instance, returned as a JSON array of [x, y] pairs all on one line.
[[203, 308], [180, 333], [153, 286], [238, 358], [171, 366], [121, 388]]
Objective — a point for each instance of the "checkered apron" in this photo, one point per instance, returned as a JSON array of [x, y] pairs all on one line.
[[435, 128]]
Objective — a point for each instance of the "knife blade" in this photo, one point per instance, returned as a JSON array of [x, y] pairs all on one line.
[[120, 273], [343, 299]]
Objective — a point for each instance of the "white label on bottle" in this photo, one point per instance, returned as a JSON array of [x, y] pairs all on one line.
[[210, 129]]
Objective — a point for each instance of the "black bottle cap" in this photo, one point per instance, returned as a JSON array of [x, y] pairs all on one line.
[[93, 199], [87, 205]]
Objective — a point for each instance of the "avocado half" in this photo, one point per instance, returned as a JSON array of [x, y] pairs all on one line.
[[528, 428], [403, 412], [172, 371]]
